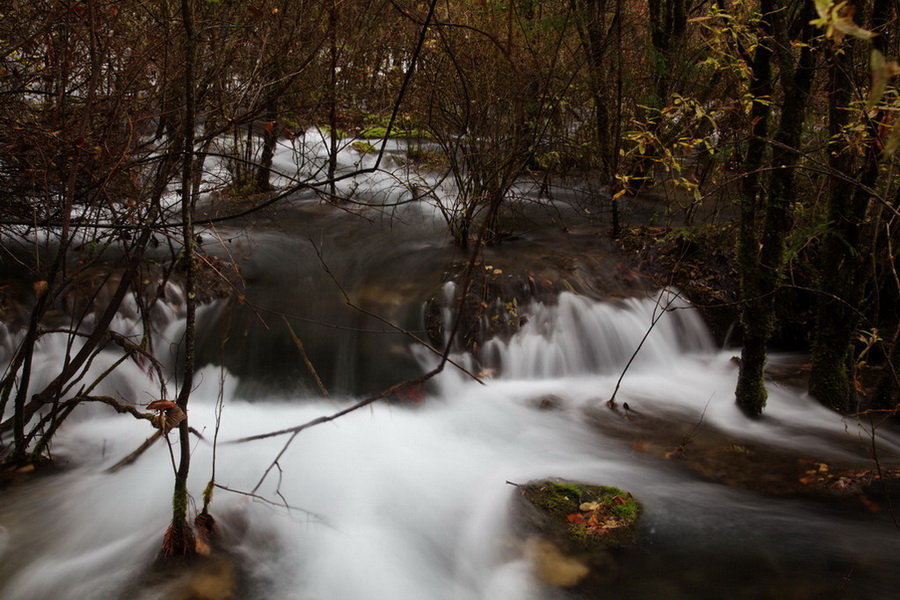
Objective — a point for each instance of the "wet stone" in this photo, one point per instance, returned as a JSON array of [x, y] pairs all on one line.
[[575, 533]]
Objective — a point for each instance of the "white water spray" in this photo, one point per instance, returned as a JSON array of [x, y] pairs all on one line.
[[390, 503]]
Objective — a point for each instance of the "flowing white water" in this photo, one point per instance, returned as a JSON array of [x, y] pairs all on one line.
[[392, 503]]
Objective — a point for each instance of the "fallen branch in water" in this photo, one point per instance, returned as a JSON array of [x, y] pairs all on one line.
[[131, 458], [306, 361], [294, 431], [689, 438], [136, 454]]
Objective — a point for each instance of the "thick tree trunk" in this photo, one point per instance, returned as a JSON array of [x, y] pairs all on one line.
[[847, 243], [595, 40], [829, 379], [751, 391], [761, 273]]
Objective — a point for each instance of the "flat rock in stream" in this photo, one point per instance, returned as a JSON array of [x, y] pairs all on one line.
[[575, 531]]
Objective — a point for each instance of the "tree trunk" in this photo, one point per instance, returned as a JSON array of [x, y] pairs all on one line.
[[179, 539], [847, 244], [751, 391], [270, 138], [595, 40], [762, 271], [332, 99]]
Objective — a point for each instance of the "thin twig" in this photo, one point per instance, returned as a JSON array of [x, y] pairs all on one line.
[[225, 488], [611, 403], [881, 475], [306, 361]]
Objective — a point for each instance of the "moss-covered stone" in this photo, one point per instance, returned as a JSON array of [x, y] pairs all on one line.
[[589, 516], [575, 530], [364, 147]]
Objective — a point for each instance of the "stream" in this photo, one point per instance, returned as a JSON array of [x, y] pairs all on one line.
[[411, 501]]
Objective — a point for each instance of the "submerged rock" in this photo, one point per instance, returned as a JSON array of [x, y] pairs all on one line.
[[213, 577], [575, 531], [549, 402]]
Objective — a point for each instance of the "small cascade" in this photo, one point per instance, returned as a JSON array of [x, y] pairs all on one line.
[[581, 336], [132, 380]]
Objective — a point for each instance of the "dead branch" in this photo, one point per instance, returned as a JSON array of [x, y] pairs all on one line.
[[325, 419], [119, 407], [136, 454], [306, 361], [294, 431], [611, 403], [316, 516]]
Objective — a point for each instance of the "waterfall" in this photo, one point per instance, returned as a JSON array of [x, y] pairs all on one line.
[[579, 336], [391, 503]]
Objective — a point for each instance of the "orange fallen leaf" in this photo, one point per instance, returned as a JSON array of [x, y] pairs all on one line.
[[575, 518], [161, 405]]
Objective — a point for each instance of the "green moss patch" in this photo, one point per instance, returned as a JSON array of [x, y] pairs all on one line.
[[589, 515], [380, 131], [364, 147]]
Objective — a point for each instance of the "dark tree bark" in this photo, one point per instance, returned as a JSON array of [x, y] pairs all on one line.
[[668, 24], [270, 139], [596, 38], [179, 539], [847, 243], [751, 391], [761, 270]]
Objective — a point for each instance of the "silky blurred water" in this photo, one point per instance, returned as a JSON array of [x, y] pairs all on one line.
[[400, 503]]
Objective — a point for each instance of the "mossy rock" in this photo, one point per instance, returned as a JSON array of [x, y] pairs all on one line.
[[585, 516], [364, 147], [576, 531]]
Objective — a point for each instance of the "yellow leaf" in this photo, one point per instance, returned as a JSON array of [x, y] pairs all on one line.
[[893, 141]]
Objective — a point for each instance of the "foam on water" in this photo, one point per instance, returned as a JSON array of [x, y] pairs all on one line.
[[392, 503]]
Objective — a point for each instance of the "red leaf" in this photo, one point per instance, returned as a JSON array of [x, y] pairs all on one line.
[[575, 518], [161, 405]]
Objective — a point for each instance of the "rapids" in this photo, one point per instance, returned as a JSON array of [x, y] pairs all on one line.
[[400, 503]]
